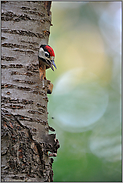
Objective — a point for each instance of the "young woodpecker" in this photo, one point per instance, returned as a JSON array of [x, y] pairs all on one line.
[[46, 57]]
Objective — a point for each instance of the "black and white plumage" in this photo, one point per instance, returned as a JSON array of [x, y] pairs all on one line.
[[46, 57]]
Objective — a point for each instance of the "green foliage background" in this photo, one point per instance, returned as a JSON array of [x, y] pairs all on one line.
[[86, 99]]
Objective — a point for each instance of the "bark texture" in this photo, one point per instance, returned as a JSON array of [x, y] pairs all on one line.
[[25, 130]]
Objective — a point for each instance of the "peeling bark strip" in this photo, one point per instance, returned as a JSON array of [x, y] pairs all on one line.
[[27, 147]]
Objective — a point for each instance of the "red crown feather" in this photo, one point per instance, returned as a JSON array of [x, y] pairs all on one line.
[[50, 50]]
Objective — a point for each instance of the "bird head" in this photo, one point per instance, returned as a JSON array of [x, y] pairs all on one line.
[[47, 54]]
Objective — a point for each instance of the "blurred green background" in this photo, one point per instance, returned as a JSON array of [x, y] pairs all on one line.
[[85, 106]]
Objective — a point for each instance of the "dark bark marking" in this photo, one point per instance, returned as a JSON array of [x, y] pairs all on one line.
[[11, 45], [40, 105], [14, 86], [2, 38], [33, 67], [45, 98], [7, 86], [23, 81], [25, 118], [17, 73], [38, 92], [35, 112], [3, 66], [3, 2], [23, 33], [12, 66], [20, 117], [46, 32], [24, 101], [15, 101], [25, 8], [15, 66], [51, 129], [10, 16], [35, 13], [29, 52], [13, 106], [7, 58], [8, 93], [29, 42], [47, 5], [42, 110], [24, 88]]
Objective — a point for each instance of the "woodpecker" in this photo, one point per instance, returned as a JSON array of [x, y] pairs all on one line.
[[46, 57]]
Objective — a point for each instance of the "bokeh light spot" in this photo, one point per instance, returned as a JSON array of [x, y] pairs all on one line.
[[78, 100]]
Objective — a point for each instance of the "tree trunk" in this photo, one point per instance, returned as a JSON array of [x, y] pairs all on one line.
[[25, 130]]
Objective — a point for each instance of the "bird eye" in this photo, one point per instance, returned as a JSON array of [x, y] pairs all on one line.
[[47, 54]]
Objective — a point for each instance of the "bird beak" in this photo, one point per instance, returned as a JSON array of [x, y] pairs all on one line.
[[52, 67], [53, 63]]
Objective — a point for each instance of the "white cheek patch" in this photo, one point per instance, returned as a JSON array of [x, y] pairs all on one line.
[[41, 53]]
